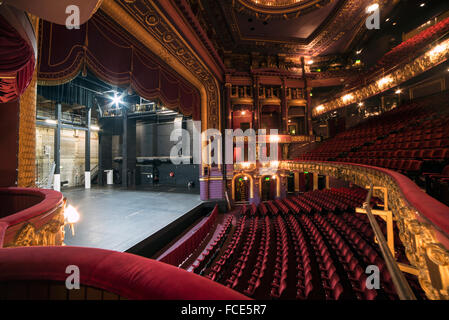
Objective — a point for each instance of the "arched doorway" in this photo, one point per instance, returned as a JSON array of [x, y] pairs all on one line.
[[267, 188], [242, 187]]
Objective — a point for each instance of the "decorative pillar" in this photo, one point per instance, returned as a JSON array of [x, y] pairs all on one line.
[[284, 109], [57, 148], [26, 167], [327, 182], [309, 112], [296, 177], [315, 181], [228, 89], [87, 150], [307, 91], [256, 106]]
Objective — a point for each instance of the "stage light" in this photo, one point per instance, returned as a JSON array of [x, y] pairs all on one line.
[[116, 99], [399, 91], [372, 8], [71, 214], [422, 5]]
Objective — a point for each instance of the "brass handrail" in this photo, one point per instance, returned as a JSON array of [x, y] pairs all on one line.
[[402, 287]]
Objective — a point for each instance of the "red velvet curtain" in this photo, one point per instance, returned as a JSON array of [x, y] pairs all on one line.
[[115, 57], [16, 62]]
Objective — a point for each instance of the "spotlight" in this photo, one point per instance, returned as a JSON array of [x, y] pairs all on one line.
[[422, 5], [117, 100]]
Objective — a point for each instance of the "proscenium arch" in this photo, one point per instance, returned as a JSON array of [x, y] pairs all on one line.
[[116, 12], [251, 185], [278, 184]]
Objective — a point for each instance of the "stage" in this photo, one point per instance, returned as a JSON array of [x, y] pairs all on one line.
[[117, 219]]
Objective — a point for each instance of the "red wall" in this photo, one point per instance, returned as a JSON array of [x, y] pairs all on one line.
[[9, 142]]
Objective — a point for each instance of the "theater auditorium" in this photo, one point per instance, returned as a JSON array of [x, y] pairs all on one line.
[[224, 150]]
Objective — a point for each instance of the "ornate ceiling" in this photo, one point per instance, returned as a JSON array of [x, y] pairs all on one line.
[[278, 9], [292, 27]]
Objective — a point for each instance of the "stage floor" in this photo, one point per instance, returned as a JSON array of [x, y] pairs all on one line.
[[117, 219]]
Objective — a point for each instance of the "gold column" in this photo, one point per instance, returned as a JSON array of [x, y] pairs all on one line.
[[315, 181], [26, 171], [296, 174]]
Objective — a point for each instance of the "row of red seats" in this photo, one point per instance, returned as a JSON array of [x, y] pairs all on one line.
[[203, 261], [410, 46], [230, 250], [279, 284], [262, 260], [304, 256], [180, 253], [244, 258]]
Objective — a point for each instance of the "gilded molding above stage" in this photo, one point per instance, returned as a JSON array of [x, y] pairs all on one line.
[[172, 48], [421, 239]]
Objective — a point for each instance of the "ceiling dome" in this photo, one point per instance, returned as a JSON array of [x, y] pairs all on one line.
[[267, 9]]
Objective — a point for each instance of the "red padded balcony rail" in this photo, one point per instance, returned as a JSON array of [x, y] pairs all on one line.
[[127, 275], [21, 205]]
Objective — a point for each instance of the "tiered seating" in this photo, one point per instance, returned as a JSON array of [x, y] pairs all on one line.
[[316, 247], [204, 260], [416, 43], [261, 261], [180, 252], [230, 250], [279, 283], [411, 139]]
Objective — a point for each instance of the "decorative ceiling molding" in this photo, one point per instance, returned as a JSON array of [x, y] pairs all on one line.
[[278, 9], [144, 19]]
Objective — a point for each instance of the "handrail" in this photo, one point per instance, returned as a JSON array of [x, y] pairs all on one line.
[[402, 287]]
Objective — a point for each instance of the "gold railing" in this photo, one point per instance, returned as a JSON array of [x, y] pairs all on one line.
[[425, 243], [402, 287]]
